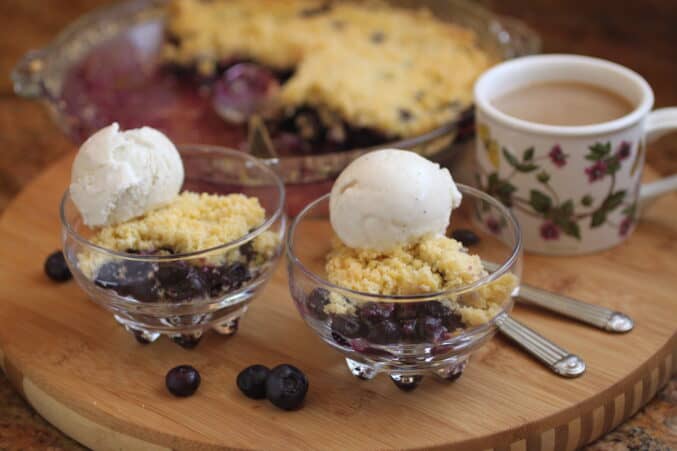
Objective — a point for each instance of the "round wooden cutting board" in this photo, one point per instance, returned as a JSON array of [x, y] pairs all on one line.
[[88, 377]]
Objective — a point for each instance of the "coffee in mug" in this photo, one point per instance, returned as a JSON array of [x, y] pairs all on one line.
[[563, 103]]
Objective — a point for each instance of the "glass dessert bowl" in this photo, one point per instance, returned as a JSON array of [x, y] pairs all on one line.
[[154, 290], [407, 336]]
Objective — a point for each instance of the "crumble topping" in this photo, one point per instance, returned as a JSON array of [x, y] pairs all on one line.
[[435, 263], [190, 223], [432, 264], [400, 71]]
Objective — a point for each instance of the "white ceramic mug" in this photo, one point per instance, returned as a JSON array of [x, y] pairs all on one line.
[[574, 189]]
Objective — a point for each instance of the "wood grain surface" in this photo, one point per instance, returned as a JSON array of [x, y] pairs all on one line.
[[85, 374], [637, 33]]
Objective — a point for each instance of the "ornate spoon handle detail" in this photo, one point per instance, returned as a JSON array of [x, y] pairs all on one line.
[[558, 360]]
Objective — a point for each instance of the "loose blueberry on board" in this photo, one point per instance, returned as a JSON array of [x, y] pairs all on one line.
[[286, 387], [252, 381], [182, 380], [466, 237], [56, 267]]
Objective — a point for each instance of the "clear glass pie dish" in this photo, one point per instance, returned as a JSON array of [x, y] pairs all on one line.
[[153, 292], [113, 53], [409, 336]]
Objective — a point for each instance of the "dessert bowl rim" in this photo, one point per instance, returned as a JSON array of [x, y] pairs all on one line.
[[503, 268], [191, 149]]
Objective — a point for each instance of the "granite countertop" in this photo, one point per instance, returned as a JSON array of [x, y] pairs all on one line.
[[639, 34]]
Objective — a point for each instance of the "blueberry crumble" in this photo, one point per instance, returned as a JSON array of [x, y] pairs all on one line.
[[325, 76], [431, 264], [192, 222]]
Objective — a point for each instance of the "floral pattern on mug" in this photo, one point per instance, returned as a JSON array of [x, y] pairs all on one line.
[[562, 216]]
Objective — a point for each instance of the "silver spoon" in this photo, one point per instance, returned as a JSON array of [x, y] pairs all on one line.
[[558, 360], [595, 315]]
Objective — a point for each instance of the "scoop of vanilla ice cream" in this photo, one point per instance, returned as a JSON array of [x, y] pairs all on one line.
[[391, 197], [119, 175]]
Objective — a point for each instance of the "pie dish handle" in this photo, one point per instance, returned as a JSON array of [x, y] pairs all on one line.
[[27, 75], [659, 122]]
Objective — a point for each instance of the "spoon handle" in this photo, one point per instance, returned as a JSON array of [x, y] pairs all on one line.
[[558, 360], [600, 317]]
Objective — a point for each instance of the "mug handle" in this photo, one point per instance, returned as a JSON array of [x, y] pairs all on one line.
[[658, 123]]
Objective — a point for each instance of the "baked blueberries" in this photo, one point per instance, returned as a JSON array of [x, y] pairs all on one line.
[[316, 301], [212, 277], [252, 381], [466, 237], [56, 267], [432, 308], [384, 332], [375, 312], [192, 286], [286, 387], [340, 340], [236, 274], [130, 278], [408, 328], [452, 321], [406, 311], [431, 328], [247, 250], [348, 326], [172, 273], [182, 380]]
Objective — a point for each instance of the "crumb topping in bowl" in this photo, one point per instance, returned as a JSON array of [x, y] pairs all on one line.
[[191, 223], [430, 265]]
